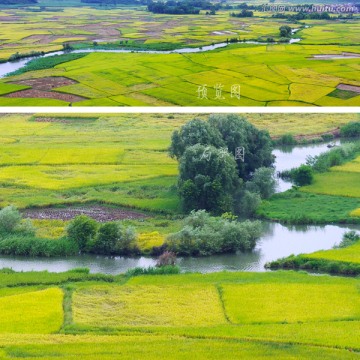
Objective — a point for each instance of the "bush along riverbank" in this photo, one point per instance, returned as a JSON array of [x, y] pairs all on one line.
[[344, 259], [200, 235]]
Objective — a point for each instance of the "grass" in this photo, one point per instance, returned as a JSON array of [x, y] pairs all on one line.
[[307, 208], [38, 312]]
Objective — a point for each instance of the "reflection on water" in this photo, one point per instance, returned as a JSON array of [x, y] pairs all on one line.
[[277, 241]]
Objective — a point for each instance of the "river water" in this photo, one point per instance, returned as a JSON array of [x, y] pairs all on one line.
[[277, 240]]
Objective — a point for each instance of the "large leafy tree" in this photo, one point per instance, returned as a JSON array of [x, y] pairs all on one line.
[[194, 132], [208, 179], [237, 132]]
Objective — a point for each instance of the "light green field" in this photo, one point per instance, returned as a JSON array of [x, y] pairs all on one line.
[[349, 254], [38, 312], [213, 316], [342, 180]]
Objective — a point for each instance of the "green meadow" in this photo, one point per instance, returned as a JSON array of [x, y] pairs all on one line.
[[282, 315]]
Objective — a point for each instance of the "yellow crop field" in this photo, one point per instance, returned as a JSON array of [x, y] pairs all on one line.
[[38, 312], [254, 303], [147, 306]]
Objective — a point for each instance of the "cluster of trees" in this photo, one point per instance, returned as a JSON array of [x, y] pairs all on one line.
[[211, 175], [285, 31], [113, 2], [204, 235], [111, 238], [182, 7], [303, 16], [242, 13]]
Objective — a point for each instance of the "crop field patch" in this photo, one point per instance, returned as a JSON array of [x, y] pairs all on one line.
[[38, 312], [266, 303], [349, 254], [338, 183], [116, 306]]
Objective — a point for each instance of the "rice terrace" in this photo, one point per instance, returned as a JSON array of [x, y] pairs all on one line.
[[163, 245], [135, 53]]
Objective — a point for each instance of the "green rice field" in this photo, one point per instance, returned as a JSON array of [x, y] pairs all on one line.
[[282, 315]]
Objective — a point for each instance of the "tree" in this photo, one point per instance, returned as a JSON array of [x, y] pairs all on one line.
[[106, 238], [285, 31], [82, 229], [10, 218], [194, 132], [237, 132], [303, 175], [263, 182], [207, 179]]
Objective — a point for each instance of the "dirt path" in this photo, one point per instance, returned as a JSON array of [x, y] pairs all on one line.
[[98, 213]]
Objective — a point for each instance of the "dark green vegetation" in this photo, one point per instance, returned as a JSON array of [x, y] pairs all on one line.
[[216, 158], [182, 7], [204, 235], [297, 207], [45, 62]]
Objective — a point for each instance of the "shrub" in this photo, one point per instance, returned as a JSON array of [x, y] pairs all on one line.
[[166, 259], [205, 235], [349, 238], [351, 129], [10, 218], [303, 175], [114, 239], [287, 139], [32, 246], [26, 227], [82, 229], [163, 270]]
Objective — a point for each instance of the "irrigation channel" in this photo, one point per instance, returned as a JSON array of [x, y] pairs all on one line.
[[277, 240], [10, 66]]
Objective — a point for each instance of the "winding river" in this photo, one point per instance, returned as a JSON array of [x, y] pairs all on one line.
[[10, 66], [277, 240]]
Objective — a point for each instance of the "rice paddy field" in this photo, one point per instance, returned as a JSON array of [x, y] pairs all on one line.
[[268, 75], [119, 160], [279, 315]]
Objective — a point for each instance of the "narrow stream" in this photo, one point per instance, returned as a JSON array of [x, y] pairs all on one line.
[[277, 240]]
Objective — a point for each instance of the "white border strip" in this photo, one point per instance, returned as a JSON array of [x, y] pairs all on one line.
[[177, 110]]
